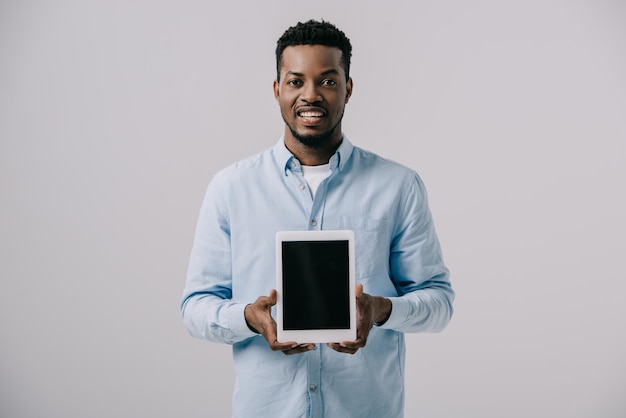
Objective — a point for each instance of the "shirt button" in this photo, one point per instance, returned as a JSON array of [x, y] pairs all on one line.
[[300, 186], [313, 222], [311, 387]]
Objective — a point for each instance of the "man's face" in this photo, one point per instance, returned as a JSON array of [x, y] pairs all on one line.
[[312, 93]]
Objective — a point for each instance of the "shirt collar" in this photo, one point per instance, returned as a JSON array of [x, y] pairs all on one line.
[[287, 161]]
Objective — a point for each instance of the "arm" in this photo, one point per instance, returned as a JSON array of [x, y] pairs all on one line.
[[208, 310], [417, 269], [424, 301]]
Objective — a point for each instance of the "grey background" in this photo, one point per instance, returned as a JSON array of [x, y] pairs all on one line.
[[114, 115]]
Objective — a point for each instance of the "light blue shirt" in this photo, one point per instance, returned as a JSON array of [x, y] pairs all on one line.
[[397, 256]]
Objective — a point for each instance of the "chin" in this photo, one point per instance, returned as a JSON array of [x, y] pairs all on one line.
[[320, 140]]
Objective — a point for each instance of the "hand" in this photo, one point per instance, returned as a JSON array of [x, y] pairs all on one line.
[[369, 309], [258, 316]]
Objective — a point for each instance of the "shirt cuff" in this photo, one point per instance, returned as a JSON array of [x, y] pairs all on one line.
[[236, 321], [400, 310]]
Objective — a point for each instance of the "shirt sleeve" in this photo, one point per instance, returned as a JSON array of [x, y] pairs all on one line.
[[425, 296], [208, 310]]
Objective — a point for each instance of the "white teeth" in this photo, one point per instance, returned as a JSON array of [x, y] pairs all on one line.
[[311, 114]]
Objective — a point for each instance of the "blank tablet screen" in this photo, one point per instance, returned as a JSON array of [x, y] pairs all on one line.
[[316, 285]]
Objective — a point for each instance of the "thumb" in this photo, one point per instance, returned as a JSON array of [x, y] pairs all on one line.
[[358, 290], [273, 297]]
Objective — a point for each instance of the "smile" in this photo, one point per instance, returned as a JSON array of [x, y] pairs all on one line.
[[311, 116], [310, 113]]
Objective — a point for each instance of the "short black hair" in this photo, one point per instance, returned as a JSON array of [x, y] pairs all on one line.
[[315, 32]]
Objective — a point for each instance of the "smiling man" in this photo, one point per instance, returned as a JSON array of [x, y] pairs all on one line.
[[314, 178]]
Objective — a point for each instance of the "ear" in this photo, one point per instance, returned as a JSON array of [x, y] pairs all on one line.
[[349, 85], [276, 89]]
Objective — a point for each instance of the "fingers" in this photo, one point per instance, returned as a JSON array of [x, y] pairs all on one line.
[[289, 347], [293, 348], [348, 347]]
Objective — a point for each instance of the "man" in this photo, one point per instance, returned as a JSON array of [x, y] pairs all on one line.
[[313, 178]]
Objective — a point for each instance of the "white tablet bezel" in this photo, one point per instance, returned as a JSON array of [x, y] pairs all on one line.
[[316, 335]]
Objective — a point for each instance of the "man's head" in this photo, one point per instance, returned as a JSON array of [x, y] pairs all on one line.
[[312, 88], [315, 33]]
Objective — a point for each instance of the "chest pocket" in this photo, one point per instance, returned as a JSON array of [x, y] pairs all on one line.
[[372, 244]]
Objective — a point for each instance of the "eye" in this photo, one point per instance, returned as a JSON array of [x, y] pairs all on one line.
[[294, 82], [329, 82]]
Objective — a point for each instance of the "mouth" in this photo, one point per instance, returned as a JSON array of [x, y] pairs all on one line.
[[311, 116]]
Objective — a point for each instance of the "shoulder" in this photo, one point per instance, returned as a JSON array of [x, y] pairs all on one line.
[[392, 179], [249, 166], [378, 165]]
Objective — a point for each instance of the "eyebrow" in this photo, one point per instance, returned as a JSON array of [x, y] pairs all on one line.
[[327, 72]]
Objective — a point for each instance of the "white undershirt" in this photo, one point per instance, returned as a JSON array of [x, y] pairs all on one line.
[[314, 175]]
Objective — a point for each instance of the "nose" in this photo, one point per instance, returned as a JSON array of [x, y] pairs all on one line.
[[310, 93]]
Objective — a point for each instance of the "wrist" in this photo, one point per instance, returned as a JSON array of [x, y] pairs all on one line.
[[248, 323], [383, 311]]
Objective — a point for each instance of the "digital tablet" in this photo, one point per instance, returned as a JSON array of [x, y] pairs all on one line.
[[315, 286]]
